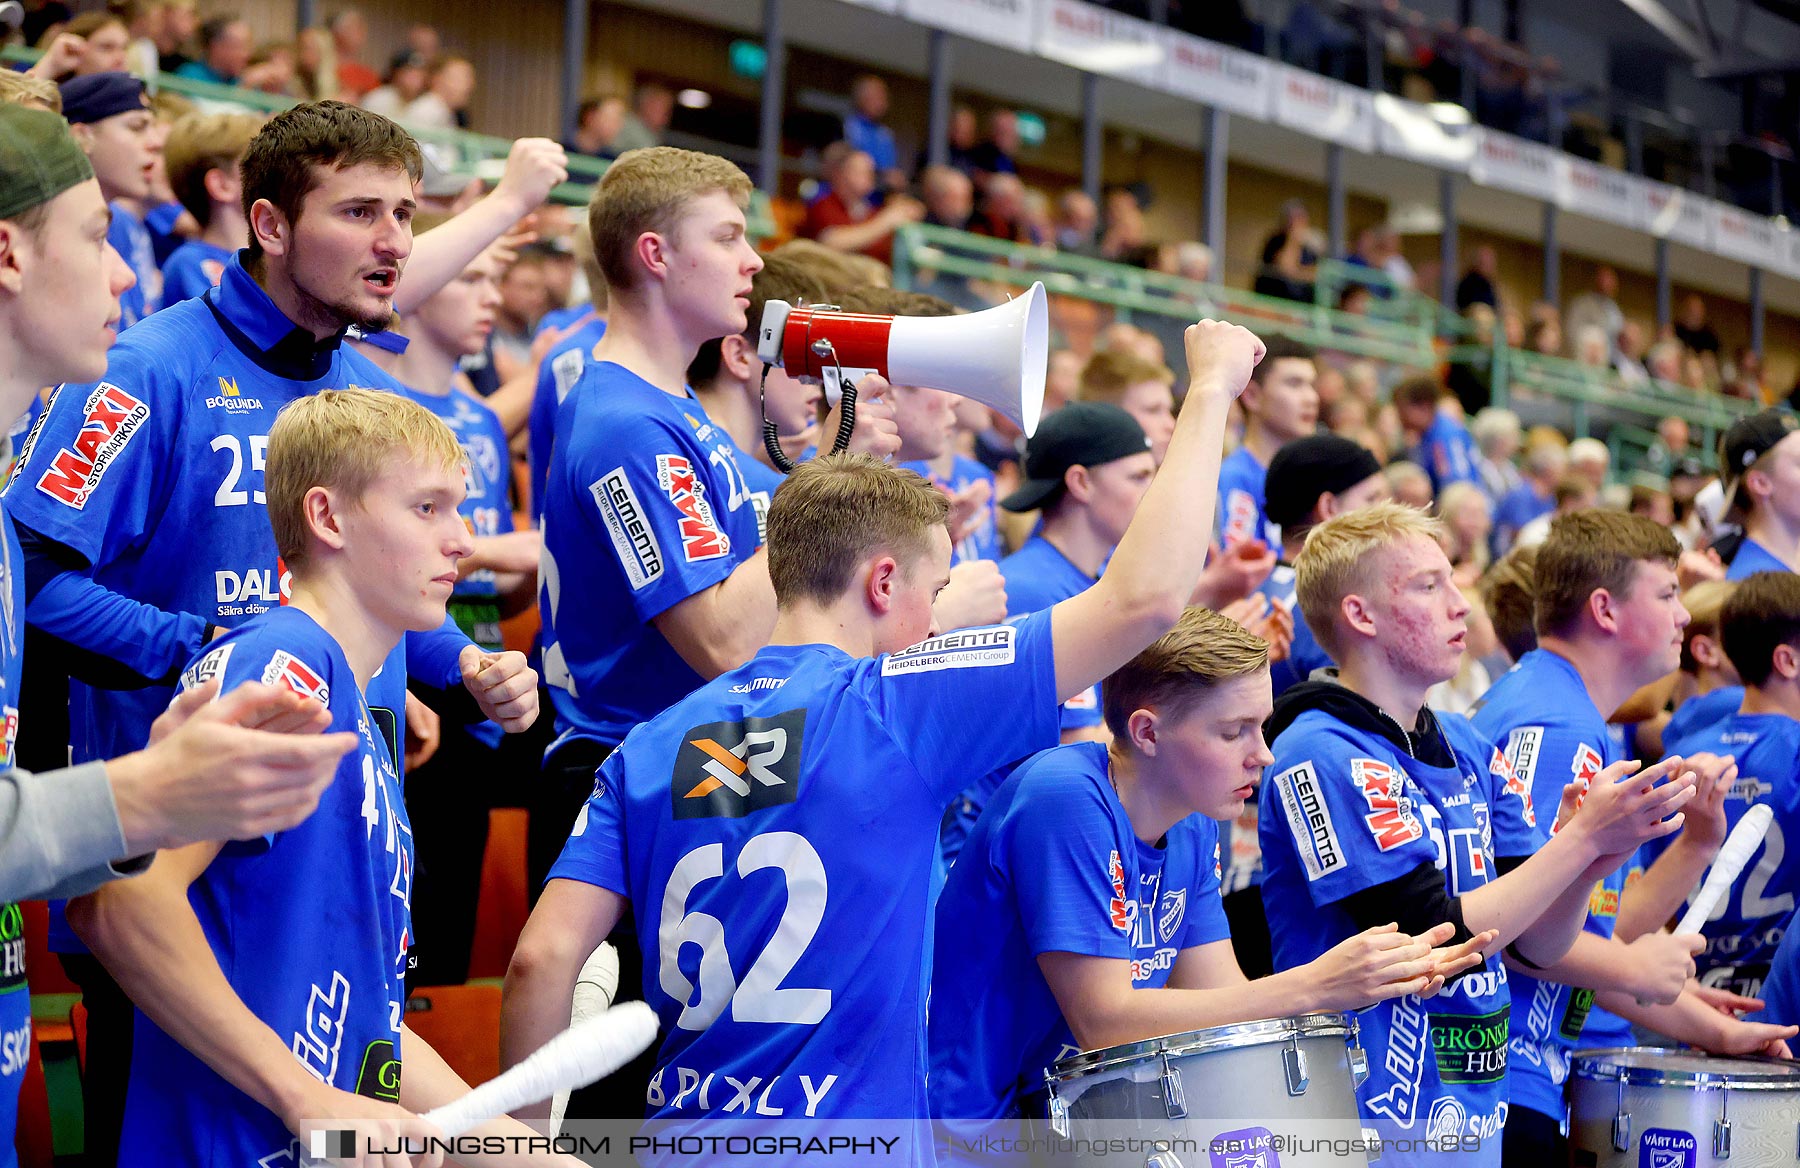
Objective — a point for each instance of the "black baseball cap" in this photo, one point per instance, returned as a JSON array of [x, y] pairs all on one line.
[[1748, 439], [1309, 467], [1079, 434]]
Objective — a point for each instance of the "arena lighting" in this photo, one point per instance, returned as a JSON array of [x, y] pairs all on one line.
[[693, 99]]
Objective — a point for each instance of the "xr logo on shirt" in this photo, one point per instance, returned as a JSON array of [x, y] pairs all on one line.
[[730, 769]]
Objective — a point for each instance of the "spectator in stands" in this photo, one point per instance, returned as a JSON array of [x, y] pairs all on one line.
[[1591, 347], [1140, 387], [1077, 223], [1628, 355], [315, 64], [422, 40], [111, 120], [1498, 436], [271, 70], [142, 19], [1672, 445], [997, 153], [964, 137], [949, 197], [1289, 257], [349, 37], [1001, 212], [652, 105], [175, 30], [1126, 239], [1545, 464], [105, 42], [844, 219], [865, 129], [445, 103], [1544, 334], [1477, 284], [1653, 503], [1699, 371], [1760, 463], [1663, 361], [1469, 520], [1189, 259], [1355, 300], [405, 84], [1062, 379], [1378, 247], [1598, 308], [225, 47], [1436, 438], [1691, 327], [1409, 484], [1280, 404], [597, 125], [1589, 458], [1746, 379], [203, 154]]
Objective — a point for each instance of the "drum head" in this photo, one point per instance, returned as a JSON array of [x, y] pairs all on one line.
[[1655, 1066], [1195, 1042]]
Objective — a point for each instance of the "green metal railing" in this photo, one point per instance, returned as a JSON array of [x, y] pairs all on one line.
[[1578, 399], [459, 152]]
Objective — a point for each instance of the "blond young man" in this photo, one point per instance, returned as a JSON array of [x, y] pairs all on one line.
[[1137, 385], [1094, 873], [202, 155], [851, 744], [1376, 809], [270, 974]]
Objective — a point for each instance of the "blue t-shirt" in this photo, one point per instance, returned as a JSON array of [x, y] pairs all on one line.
[[487, 479], [131, 239], [982, 543], [195, 267], [1515, 509], [1054, 867], [873, 139], [782, 819], [1305, 654], [1781, 989], [1751, 558], [1746, 928], [557, 375], [1241, 516], [310, 926], [1344, 809], [1702, 712], [1540, 716], [1448, 453], [561, 318], [15, 994], [645, 505], [1037, 577]]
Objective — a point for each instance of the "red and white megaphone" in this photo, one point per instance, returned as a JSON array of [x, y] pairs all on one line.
[[997, 357]]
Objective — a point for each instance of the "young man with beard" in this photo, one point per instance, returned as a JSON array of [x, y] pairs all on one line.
[[269, 974], [139, 497], [1376, 809], [853, 729], [1095, 876], [204, 775]]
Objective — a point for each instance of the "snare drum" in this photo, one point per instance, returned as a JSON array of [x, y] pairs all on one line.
[[1276, 1092], [1645, 1107]]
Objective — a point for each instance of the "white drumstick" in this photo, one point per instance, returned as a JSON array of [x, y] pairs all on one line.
[[1739, 846], [580, 1055], [576, 1057]]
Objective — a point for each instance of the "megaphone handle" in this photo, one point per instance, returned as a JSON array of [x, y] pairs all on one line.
[[771, 436], [846, 419]]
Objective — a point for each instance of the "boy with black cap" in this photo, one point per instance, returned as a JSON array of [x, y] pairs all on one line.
[[1310, 479], [1760, 462], [111, 119], [1086, 469]]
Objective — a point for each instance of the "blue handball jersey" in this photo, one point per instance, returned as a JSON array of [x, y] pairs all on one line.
[[645, 505], [1447, 452], [1345, 809], [1746, 928], [775, 831], [194, 267], [1540, 716], [487, 480], [15, 997], [1781, 989], [1702, 712], [982, 543], [1751, 558], [1240, 514], [1037, 577], [557, 374], [1054, 867], [310, 926], [131, 239]]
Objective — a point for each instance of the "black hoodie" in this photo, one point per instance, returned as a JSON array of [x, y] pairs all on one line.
[[1421, 899]]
